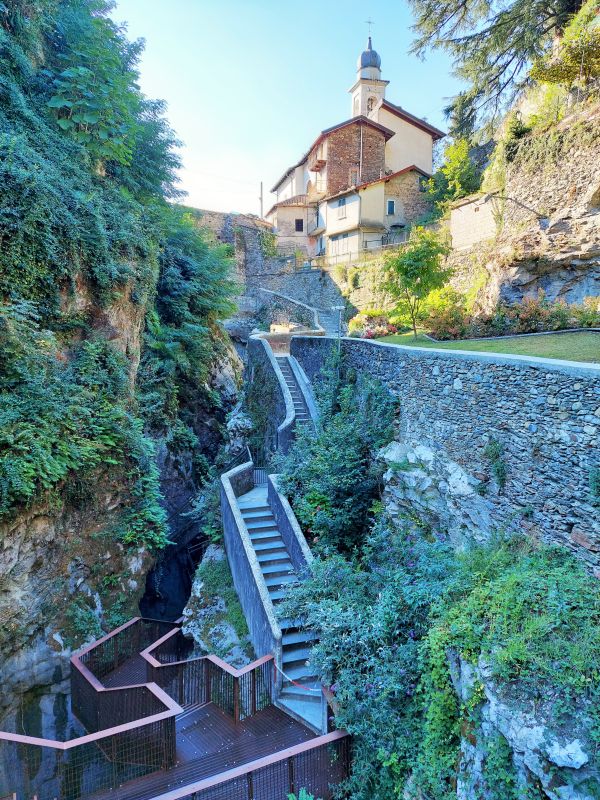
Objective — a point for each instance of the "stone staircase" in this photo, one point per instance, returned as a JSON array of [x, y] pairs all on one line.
[[301, 691], [329, 320], [301, 411]]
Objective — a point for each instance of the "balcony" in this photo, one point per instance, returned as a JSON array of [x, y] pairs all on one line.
[[317, 160]]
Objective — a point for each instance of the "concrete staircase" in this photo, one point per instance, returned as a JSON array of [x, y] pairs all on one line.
[[301, 691], [300, 408]]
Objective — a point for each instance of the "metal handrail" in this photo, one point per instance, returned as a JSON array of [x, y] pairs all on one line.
[[193, 790]]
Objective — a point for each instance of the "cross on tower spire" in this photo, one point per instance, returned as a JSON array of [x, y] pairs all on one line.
[[370, 23]]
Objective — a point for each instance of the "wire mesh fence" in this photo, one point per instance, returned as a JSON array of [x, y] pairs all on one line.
[[319, 767]]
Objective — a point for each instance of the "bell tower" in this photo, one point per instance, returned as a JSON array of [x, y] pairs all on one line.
[[369, 88]]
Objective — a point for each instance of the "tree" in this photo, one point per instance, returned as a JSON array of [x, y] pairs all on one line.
[[457, 177], [414, 272], [461, 114], [577, 59], [493, 44]]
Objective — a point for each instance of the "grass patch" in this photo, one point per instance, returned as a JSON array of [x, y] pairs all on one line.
[[218, 582], [568, 346]]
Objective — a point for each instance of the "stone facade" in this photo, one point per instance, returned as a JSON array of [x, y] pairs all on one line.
[[288, 218], [411, 202], [487, 443], [344, 148]]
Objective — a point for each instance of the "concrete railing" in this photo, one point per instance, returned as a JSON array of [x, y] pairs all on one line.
[[306, 389], [281, 404], [245, 569], [288, 527]]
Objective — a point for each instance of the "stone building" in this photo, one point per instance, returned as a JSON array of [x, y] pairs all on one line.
[[360, 183]]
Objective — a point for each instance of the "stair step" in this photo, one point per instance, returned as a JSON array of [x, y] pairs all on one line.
[[287, 624], [302, 709], [284, 568], [252, 505], [300, 673], [257, 515], [266, 547], [293, 654], [296, 692], [277, 556], [265, 536], [298, 637], [261, 525], [281, 580], [276, 595]]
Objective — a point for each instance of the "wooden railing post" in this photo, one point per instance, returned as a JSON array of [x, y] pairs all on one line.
[[254, 691], [291, 776], [250, 778], [207, 692], [236, 699]]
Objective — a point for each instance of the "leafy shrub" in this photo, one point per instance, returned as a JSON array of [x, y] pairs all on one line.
[[578, 57], [495, 453], [69, 415], [387, 619], [371, 324], [516, 129], [531, 315], [62, 217], [331, 475], [370, 611], [458, 176]]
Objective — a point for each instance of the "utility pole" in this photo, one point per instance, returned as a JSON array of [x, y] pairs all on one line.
[[261, 199]]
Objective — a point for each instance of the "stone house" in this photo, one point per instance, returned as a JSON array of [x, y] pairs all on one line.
[[369, 216], [360, 184]]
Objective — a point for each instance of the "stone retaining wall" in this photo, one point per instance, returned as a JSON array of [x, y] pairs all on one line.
[[487, 442], [279, 308]]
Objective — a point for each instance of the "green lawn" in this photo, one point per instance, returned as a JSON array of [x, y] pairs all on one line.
[[568, 346]]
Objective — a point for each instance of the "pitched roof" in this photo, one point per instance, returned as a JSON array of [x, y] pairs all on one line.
[[398, 111], [384, 179], [325, 133], [296, 200]]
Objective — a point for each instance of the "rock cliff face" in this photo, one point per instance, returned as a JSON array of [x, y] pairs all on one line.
[[64, 576], [54, 556], [550, 761], [548, 212]]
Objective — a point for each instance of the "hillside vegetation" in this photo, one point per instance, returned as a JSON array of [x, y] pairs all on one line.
[[109, 295]]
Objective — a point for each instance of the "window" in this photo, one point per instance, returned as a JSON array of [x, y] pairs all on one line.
[[391, 207], [371, 104], [342, 208], [353, 176], [299, 225]]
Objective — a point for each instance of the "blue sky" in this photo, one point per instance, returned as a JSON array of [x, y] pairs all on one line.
[[249, 84]]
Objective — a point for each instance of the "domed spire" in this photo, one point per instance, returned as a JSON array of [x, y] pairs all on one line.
[[369, 58]]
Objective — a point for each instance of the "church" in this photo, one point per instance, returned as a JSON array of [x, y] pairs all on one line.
[[361, 182]]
